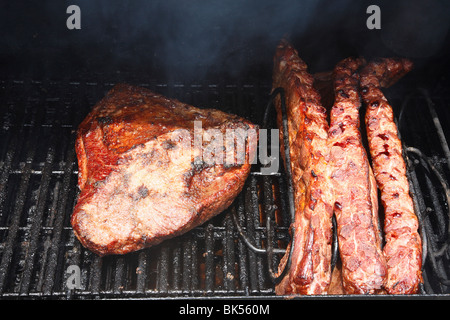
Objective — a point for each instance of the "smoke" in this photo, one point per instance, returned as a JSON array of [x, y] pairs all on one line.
[[196, 38], [193, 40], [427, 24]]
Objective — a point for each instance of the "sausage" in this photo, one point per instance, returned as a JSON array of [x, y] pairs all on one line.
[[310, 270], [403, 247], [355, 198]]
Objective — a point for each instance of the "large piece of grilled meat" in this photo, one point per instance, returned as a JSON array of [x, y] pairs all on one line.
[[143, 175]]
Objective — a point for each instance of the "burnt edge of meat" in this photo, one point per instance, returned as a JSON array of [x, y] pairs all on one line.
[[121, 125]]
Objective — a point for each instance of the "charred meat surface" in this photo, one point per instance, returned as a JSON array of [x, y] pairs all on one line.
[[354, 186], [310, 270], [403, 247], [143, 175]]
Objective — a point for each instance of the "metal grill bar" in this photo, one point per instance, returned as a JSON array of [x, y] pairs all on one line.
[[38, 217], [437, 125], [54, 257], [431, 195], [268, 206], [11, 241], [38, 176]]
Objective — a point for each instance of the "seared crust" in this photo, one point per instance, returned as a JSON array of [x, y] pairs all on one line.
[[355, 201], [403, 248], [139, 174], [310, 270]]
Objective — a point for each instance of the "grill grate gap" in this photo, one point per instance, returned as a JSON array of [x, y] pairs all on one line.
[[38, 176]]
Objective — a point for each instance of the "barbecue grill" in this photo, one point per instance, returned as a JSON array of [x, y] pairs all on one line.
[[233, 255]]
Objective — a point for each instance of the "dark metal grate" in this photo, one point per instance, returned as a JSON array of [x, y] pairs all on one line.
[[429, 175], [38, 177], [38, 190]]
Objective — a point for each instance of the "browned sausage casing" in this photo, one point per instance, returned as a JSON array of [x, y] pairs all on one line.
[[355, 194], [403, 248]]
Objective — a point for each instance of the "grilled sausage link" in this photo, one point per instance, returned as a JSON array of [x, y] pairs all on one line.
[[355, 200], [403, 248], [310, 271]]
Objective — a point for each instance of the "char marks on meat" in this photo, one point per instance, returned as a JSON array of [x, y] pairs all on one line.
[[310, 270], [354, 187], [141, 174], [403, 248]]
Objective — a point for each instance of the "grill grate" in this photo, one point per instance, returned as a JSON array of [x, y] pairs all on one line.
[[429, 176], [38, 176]]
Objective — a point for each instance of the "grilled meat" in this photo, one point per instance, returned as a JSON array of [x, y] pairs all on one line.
[[310, 270], [403, 248], [354, 187], [143, 176]]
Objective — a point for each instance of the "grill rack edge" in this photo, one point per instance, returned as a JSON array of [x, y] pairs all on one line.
[[43, 187]]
